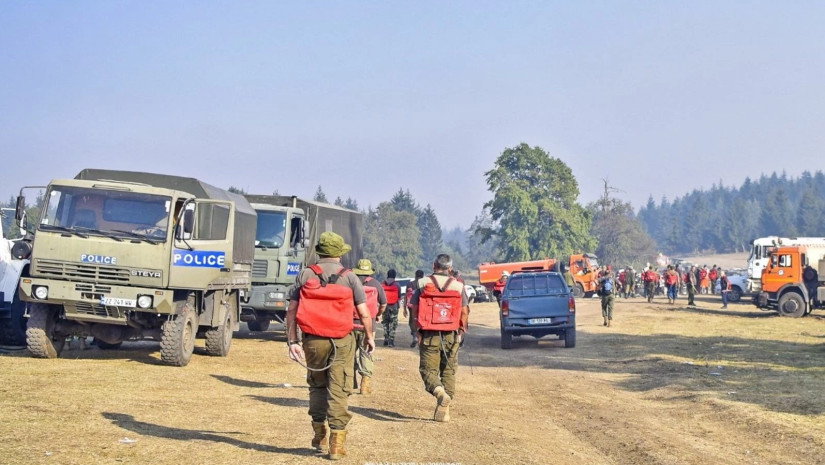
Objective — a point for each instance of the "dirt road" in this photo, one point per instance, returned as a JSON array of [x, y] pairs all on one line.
[[664, 385]]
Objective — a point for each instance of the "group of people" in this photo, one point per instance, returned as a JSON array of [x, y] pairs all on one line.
[[335, 309], [695, 279]]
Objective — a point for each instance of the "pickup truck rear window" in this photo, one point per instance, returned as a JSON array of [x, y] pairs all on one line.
[[535, 284]]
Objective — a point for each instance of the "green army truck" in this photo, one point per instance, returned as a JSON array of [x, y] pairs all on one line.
[[121, 255], [288, 229]]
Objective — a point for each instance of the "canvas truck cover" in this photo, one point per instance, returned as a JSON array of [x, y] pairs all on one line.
[[324, 217], [245, 216]]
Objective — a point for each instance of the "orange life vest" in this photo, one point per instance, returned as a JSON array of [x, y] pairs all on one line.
[[392, 291], [439, 309], [325, 308], [372, 305]]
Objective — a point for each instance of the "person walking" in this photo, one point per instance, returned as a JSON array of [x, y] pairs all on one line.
[[408, 306], [725, 283], [607, 285], [441, 311], [692, 284], [672, 283], [704, 280], [713, 275], [630, 280], [321, 304], [390, 319], [651, 280], [376, 303]]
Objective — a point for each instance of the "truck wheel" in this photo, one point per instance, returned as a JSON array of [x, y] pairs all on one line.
[[219, 339], [570, 338], [13, 330], [41, 339], [578, 290], [258, 325], [735, 294], [177, 340], [791, 304], [506, 339]]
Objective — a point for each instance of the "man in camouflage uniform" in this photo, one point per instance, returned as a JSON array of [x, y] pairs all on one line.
[[363, 360], [408, 306], [390, 319], [607, 289], [329, 361], [438, 350]]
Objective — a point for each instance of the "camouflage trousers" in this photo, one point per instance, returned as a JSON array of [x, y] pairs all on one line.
[[329, 389], [390, 321], [439, 360], [363, 361]]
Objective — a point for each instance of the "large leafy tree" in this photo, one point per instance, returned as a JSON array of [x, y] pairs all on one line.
[[430, 228], [534, 206], [391, 240]]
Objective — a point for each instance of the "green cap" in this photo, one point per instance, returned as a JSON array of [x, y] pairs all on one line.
[[363, 268], [331, 245]]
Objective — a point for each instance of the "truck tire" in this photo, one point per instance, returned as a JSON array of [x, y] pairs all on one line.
[[13, 330], [218, 340], [570, 338], [735, 294], [177, 340], [41, 339], [791, 304], [578, 290], [506, 339], [259, 325]]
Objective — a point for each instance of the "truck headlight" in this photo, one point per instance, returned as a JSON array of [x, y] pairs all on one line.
[[144, 301], [41, 292]]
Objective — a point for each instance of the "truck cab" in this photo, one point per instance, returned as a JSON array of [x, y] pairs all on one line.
[[787, 282]]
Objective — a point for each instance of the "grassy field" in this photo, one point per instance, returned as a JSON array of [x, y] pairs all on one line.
[[664, 385]]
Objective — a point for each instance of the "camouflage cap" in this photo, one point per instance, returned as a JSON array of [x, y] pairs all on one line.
[[331, 245], [363, 268]]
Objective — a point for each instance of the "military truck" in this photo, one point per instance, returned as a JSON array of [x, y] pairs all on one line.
[[122, 255], [12, 309], [288, 229]]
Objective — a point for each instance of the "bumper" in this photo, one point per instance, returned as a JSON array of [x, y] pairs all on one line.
[[519, 326], [83, 301], [266, 299]]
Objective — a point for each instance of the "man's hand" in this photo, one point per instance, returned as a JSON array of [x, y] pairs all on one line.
[[296, 352], [370, 342], [405, 312]]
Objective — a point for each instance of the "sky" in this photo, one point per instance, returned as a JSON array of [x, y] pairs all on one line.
[[365, 98]]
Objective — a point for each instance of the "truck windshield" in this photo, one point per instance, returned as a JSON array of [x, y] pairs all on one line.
[[106, 212], [271, 229], [594, 263]]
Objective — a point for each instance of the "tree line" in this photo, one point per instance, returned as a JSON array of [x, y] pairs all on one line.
[[726, 219]]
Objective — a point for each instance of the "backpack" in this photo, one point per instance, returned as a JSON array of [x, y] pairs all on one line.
[[372, 305], [325, 307], [672, 278], [392, 291], [439, 309]]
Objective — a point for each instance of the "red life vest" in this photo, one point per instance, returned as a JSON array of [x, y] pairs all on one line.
[[325, 308], [671, 279], [686, 278], [703, 273], [372, 305], [392, 291], [649, 276], [499, 286], [439, 309], [713, 274]]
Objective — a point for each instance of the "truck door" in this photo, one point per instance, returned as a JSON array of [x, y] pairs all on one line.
[[202, 251], [297, 244], [781, 270]]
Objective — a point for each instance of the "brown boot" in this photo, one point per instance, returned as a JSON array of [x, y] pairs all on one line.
[[320, 441], [442, 407], [366, 387], [608, 323], [605, 321], [336, 444]]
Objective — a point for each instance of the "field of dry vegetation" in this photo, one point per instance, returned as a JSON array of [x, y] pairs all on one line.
[[663, 385]]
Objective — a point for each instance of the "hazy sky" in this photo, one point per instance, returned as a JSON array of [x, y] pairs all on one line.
[[364, 98]]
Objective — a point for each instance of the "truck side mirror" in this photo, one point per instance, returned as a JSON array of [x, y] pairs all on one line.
[[188, 221], [23, 224], [20, 209]]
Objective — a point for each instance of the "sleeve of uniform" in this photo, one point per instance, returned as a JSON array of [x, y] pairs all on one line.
[[295, 290]]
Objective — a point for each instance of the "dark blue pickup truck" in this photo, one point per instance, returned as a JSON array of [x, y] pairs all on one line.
[[537, 304]]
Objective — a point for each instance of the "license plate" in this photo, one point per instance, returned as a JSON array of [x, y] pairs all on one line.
[[539, 321], [116, 302]]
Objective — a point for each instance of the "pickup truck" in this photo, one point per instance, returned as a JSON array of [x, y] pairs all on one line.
[[537, 304]]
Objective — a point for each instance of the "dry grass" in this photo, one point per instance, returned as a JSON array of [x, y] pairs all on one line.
[[665, 384]]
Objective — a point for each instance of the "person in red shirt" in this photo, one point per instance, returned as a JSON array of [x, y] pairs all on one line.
[[498, 287], [651, 280], [713, 275]]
